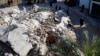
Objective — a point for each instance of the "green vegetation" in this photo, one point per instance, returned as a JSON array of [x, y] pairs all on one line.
[[93, 48], [69, 48], [65, 47]]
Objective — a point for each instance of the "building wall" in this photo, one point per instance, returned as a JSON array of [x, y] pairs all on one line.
[[86, 3], [97, 0], [95, 8], [2, 2], [5, 2]]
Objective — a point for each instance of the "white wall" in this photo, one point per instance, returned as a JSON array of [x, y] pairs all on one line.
[[85, 3]]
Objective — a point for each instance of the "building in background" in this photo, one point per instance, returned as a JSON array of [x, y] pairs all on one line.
[[3, 3], [95, 8]]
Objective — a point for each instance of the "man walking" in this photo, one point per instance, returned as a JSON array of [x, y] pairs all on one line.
[[67, 11], [82, 8], [50, 2], [81, 22], [9, 2]]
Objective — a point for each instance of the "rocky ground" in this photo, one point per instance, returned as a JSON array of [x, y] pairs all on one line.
[[30, 32]]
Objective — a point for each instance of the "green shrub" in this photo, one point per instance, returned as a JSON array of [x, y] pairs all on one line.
[[91, 49], [65, 47]]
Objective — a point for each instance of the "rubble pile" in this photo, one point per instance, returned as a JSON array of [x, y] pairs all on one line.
[[27, 30]]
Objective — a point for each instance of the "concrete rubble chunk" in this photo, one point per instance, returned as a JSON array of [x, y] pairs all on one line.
[[43, 49], [7, 18], [32, 24], [36, 8], [8, 54], [19, 41], [65, 20], [60, 13], [45, 14], [4, 37], [3, 34], [16, 11], [3, 29]]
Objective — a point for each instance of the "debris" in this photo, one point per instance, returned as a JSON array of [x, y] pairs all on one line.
[[65, 20], [19, 41], [3, 29], [25, 28], [51, 39], [43, 49], [60, 13]]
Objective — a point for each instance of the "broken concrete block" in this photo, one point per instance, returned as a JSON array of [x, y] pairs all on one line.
[[7, 18], [60, 13], [3, 29], [19, 41], [45, 14], [32, 24], [43, 49], [16, 11], [65, 20]]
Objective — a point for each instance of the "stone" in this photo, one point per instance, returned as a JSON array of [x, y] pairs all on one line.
[[2, 21], [43, 49], [60, 13], [14, 15], [7, 19], [61, 27], [16, 11], [65, 20], [8, 54], [36, 8], [24, 9], [45, 14], [19, 41], [32, 24], [3, 29]]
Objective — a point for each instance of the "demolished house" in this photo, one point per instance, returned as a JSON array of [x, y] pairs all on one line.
[[33, 29]]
